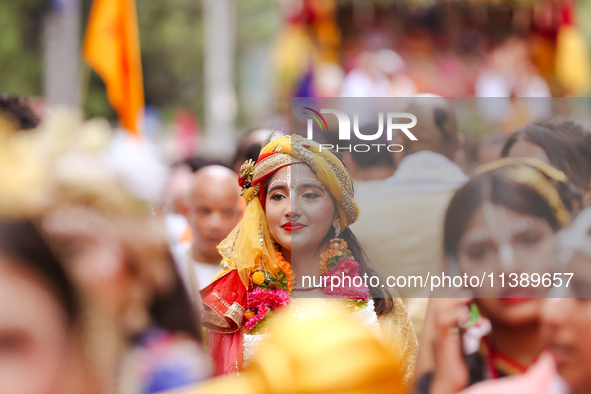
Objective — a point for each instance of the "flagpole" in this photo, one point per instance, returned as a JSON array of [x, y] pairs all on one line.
[[221, 107], [61, 45]]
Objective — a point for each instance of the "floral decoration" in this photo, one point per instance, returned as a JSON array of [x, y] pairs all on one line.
[[268, 292], [263, 301], [273, 292], [258, 278], [285, 267], [246, 174], [347, 270], [336, 251]]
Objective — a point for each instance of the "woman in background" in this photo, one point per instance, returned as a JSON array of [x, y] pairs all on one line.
[[561, 142], [565, 368], [502, 221]]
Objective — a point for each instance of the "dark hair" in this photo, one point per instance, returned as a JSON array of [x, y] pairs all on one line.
[[496, 187], [441, 117], [373, 157], [16, 110], [247, 149], [21, 241], [174, 311], [382, 297], [198, 162], [566, 142]]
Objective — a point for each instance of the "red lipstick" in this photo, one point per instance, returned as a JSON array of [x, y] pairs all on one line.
[[517, 295], [293, 226]]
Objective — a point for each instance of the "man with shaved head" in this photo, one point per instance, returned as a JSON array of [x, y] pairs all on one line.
[[215, 208], [402, 225]]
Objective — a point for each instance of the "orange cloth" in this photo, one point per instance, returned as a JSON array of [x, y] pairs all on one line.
[[112, 49], [187, 235]]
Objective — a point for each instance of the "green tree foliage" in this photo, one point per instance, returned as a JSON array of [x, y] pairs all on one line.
[[172, 58], [20, 46]]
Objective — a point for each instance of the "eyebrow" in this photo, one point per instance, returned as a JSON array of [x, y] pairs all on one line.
[[477, 235], [312, 185], [278, 186]]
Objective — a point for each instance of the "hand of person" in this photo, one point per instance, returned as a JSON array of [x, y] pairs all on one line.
[[450, 371]]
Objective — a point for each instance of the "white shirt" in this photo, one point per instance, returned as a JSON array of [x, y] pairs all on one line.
[[423, 172], [195, 274]]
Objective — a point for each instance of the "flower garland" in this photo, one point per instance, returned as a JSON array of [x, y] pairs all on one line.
[[335, 251], [339, 262], [270, 293]]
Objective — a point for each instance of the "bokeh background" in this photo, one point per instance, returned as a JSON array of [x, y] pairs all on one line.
[[214, 69]]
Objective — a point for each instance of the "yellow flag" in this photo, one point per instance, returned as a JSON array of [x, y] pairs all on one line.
[[112, 49]]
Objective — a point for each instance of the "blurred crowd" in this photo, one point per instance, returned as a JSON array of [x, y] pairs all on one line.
[[454, 49], [111, 260]]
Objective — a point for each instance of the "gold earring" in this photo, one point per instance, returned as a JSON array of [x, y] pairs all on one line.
[[336, 241]]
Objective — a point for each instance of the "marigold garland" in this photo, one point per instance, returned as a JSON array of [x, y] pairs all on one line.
[[258, 278], [272, 292], [285, 266], [333, 249]]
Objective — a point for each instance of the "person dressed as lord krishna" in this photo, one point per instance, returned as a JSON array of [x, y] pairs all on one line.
[[296, 225]]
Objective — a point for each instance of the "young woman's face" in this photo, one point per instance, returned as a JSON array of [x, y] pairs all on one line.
[[300, 210], [34, 344], [509, 244], [567, 327]]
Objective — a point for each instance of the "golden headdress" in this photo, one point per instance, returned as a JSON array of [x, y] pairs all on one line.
[[250, 245], [64, 161], [537, 175], [67, 176]]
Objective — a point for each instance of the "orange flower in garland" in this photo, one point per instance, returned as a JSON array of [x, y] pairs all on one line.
[[333, 249], [285, 266], [258, 278]]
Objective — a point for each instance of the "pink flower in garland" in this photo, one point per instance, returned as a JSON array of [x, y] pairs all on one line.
[[347, 266], [353, 292], [263, 300], [347, 270]]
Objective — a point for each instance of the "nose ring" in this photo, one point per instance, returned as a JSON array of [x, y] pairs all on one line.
[[292, 218]]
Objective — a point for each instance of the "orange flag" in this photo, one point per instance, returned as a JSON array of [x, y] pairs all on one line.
[[112, 49]]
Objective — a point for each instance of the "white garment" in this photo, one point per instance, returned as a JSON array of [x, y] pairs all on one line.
[[203, 273], [494, 94], [490, 83], [252, 342], [175, 225], [366, 190], [423, 172], [358, 84], [402, 226]]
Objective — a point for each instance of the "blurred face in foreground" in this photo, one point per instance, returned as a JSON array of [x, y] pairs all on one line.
[[501, 240], [34, 344], [567, 328], [300, 210]]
